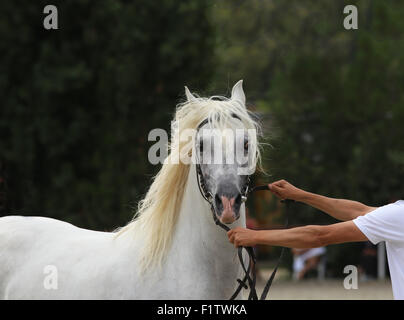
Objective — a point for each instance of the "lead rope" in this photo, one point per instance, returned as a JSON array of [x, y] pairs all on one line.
[[271, 278], [268, 284], [247, 271], [251, 265], [250, 251]]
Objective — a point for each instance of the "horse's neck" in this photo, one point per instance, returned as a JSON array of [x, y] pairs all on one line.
[[197, 236], [201, 262]]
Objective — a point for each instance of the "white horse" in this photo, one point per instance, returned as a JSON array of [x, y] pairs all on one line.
[[171, 250]]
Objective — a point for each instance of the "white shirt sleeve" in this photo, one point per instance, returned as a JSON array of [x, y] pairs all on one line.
[[383, 224]]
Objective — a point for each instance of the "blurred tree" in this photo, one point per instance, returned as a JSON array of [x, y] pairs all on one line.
[[331, 98], [78, 102], [255, 37]]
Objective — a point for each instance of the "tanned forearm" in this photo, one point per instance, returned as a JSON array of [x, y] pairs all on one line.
[[340, 209], [300, 237]]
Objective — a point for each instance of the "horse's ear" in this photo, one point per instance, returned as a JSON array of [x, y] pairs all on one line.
[[189, 95], [237, 93]]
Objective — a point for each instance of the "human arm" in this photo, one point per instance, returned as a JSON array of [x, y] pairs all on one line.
[[340, 209], [311, 236]]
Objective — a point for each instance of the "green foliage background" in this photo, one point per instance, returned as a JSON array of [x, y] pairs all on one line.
[[78, 103], [332, 99]]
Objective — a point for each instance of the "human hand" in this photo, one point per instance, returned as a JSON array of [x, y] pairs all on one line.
[[284, 190], [242, 237]]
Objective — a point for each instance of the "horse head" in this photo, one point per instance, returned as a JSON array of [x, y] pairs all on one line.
[[226, 154]]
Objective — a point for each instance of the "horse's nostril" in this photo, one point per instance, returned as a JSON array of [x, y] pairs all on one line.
[[218, 201], [238, 199]]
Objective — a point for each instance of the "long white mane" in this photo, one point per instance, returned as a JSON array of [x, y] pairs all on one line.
[[157, 214]]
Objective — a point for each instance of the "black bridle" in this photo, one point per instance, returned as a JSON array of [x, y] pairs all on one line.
[[249, 279]]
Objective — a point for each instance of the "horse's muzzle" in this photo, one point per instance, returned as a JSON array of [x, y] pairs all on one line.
[[227, 208]]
